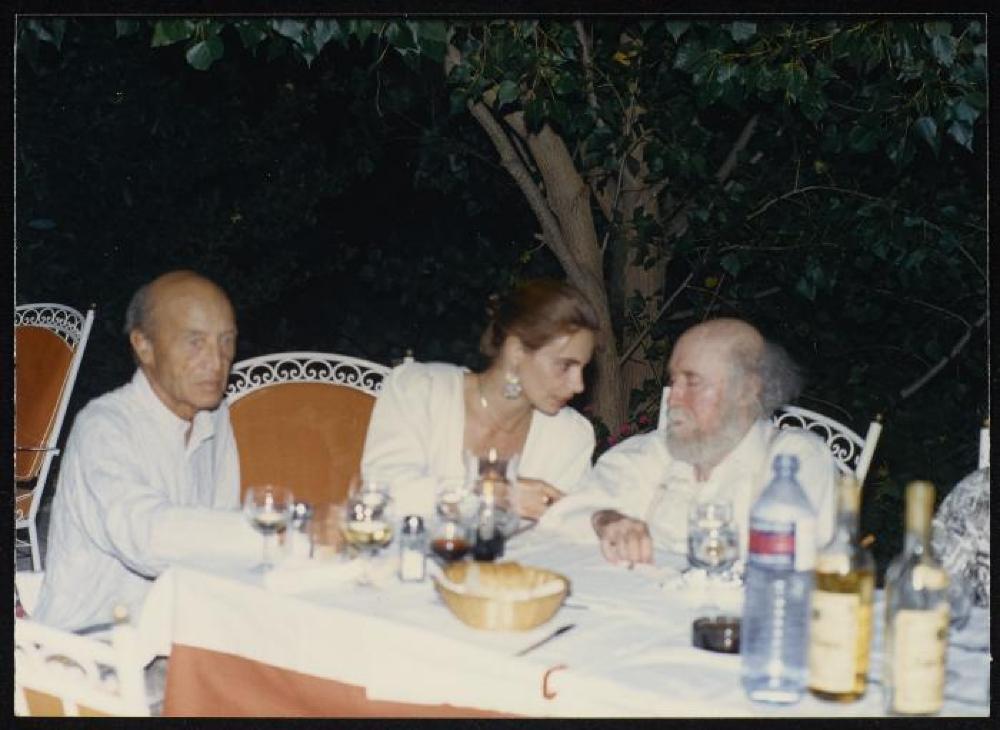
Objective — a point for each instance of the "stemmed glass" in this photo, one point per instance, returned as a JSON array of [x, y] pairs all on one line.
[[496, 486], [456, 506], [269, 509], [368, 523], [713, 540]]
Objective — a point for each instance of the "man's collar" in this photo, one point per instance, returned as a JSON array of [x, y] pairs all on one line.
[[201, 426], [750, 448]]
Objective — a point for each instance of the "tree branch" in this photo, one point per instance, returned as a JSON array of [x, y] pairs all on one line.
[[729, 164], [923, 379], [511, 161], [972, 261], [678, 221], [922, 303], [562, 200], [642, 335], [810, 188], [588, 64]]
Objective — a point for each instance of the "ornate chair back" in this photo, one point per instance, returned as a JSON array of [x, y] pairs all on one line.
[[851, 453], [300, 420], [59, 674], [49, 341]]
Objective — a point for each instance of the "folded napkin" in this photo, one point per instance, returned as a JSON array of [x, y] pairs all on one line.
[[695, 587], [299, 575]]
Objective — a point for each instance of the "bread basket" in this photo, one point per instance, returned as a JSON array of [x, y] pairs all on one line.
[[501, 596]]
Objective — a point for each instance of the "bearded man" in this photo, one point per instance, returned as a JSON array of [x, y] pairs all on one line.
[[718, 444]]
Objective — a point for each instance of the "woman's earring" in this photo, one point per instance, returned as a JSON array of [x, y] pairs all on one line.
[[512, 387]]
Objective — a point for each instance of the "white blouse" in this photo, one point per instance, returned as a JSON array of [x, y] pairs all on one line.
[[417, 430]]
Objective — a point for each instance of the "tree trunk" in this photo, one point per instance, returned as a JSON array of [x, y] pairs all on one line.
[[563, 212], [648, 283], [580, 254], [638, 196]]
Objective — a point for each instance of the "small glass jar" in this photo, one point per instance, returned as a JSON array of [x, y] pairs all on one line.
[[298, 533], [412, 549]]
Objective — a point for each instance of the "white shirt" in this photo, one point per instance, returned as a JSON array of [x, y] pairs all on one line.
[[132, 497], [640, 479], [417, 430]]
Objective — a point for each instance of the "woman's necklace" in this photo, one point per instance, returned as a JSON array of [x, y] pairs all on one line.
[[486, 409]]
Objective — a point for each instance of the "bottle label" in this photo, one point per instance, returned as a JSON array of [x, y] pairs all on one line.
[[920, 640], [775, 545], [929, 578], [772, 544], [834, 626]]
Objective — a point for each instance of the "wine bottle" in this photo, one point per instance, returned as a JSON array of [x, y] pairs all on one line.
[[916, 615], [840, 625]]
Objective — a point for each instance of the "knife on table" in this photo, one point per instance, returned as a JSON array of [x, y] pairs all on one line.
[[545, 639]]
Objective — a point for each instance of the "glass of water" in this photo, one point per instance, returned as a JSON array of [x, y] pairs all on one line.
[[713, 546], [713, 540]]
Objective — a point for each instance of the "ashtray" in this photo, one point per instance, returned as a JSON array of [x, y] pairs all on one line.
[[717, 633]]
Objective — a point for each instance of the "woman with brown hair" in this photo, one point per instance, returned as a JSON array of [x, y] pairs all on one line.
[[538, 340]]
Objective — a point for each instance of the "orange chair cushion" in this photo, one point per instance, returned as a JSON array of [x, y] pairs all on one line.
[[42, 362], [304, 436]]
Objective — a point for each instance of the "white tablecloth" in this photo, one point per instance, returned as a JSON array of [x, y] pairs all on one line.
[[629, 655]]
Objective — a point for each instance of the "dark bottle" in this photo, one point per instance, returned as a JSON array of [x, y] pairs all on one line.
[[489, 540]]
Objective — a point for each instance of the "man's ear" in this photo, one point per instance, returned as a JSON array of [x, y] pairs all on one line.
[[142, 346], [752, 389]]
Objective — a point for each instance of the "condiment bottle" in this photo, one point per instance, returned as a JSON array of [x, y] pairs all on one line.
[[412, 549], [298, 533]]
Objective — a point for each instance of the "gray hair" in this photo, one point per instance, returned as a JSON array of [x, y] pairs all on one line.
[[780, 378], [139, 311]]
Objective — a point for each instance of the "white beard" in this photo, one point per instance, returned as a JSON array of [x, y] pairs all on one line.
[[707, 449]]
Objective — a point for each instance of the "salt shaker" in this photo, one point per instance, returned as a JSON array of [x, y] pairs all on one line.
[[412, 549], [298, 535]]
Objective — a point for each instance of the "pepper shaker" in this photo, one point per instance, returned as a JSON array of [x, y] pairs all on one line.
[[298, 535]]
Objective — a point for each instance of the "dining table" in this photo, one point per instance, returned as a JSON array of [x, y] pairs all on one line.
[[305, 640]]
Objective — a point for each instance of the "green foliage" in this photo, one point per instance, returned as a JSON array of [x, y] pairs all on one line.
[[850, 228], [831, 233], [278, 181]]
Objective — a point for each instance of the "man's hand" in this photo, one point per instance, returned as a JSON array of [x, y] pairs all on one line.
[[535, 496], [623, 539]]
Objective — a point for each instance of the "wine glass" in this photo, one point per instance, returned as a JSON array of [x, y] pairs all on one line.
[[368, 523], [269, 509], [713, 542], [456, 506], [497, 489]]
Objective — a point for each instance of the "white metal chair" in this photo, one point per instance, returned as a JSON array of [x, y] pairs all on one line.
[[28, 583], [851, 453], [984, 445], [49, 343], [300, 419], [58, 673]]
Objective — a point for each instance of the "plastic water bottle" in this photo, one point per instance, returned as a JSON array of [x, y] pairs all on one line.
[[779, 579]]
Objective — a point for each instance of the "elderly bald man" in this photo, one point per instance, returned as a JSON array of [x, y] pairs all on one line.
[[150, 474], [719, 442]]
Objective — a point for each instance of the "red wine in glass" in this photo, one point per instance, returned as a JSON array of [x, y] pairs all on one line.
[[450, 548]]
